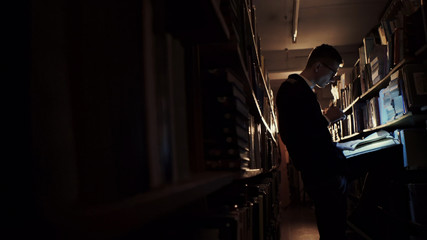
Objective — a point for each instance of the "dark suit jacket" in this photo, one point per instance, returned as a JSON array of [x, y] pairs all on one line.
[[304, 130]]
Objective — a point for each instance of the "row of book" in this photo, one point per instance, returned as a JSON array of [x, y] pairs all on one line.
[[243, 212], [229, 131], [246, 209], [398, 36], [348, 89], [401, 34], [260, 82], [226, 121], [404, 29], [374, 63], [241, 18], [405, 92], [233, 137]]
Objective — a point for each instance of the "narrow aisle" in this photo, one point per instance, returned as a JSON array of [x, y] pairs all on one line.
[[298, 222]]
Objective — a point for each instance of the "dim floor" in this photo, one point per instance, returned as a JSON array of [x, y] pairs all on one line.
[[298, 223]]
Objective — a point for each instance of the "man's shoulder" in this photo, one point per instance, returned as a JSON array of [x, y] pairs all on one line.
[[292, 81], [290, 89]]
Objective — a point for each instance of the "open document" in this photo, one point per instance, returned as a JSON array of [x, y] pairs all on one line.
[[375, 141]]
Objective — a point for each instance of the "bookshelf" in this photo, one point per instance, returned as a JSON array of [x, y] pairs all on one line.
[[161, 111], [379, 95], [356, 95]]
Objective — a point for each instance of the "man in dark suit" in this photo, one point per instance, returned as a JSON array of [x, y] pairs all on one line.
[[304, 130]]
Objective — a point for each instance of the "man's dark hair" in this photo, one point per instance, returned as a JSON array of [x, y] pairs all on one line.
[[322, 53]]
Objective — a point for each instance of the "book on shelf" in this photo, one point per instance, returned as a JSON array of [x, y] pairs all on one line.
[[368, 46], [258, 143], [392, 103], [415, 86], [356, 90], [375, 71], [168, 132], [390, 59], [398, 46], [178, 99], [388, 29], [382, 34], [381, 107], [245, 211], [358, 111], [362, 58], [251, 131], [405, 33], [366, 78], [363, 85], [374, 114], [225, 120], [415, 29], [364, 108], [379, 63], [373, 142], [355, 73]]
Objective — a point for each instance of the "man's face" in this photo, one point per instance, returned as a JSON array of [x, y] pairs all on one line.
[[327, 72]]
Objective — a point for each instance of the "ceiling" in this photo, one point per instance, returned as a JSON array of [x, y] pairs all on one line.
[[340, 23]]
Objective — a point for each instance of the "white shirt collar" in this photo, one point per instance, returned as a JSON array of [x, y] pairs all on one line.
[[310, 84]]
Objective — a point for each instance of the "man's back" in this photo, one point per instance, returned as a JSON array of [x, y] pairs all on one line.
[[304, 129]]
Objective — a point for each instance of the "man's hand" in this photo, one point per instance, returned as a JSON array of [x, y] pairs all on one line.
[[333, 114]]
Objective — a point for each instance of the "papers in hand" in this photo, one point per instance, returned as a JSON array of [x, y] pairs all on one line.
[[378, 140]]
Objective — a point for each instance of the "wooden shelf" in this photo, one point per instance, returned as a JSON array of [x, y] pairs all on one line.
[[407, 120], [348, 108], [354, 135], [257, 56], [248, 173], [118, 218], [228, 55], [108, 183], [379, 85], [258, 64], [421, 51], [383, 82]]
